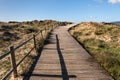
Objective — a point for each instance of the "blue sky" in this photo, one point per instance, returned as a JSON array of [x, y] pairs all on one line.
[[61, 10]]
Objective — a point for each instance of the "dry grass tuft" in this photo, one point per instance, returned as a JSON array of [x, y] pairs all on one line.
[[103, 42], [14, 33]]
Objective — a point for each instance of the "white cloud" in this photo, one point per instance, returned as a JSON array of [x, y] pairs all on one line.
[[114, 1]]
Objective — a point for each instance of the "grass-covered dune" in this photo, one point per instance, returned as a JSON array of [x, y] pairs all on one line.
[[14, 33], [102, 41]]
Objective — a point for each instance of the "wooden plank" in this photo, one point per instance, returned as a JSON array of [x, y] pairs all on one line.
[[66, 60]]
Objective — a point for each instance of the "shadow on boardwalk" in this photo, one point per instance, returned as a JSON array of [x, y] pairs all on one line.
[[64, 71], [36, 58], [65, 75]]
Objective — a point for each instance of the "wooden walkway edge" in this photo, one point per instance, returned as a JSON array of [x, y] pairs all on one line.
[[63, 58]]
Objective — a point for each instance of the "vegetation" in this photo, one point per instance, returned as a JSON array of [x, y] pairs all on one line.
[[103, 42], [13, 33]]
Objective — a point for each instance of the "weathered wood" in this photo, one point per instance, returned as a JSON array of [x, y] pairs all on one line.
[[45, 30], [64, 59], [13, 61], [12, 57], [34, 41], [23, 43], [4, 55]]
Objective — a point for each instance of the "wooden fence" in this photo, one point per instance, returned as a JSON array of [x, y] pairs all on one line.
[[11, 52]]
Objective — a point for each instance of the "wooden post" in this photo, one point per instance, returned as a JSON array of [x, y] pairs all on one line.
[[34, 41], [41, 35], [13, 61], [45, 30]]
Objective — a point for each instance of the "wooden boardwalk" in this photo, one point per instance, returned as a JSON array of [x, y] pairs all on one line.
[[63, 58]]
